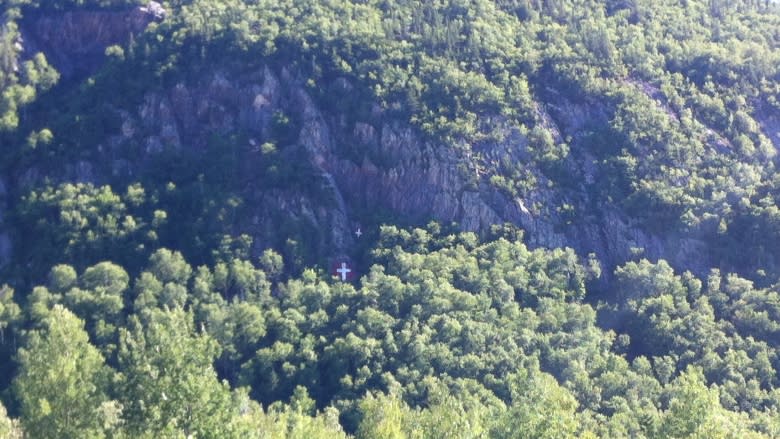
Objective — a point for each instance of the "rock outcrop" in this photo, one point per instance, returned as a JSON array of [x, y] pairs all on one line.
[[75, 42], [378, 164], [374, 163], [5, 238], [361, 164]]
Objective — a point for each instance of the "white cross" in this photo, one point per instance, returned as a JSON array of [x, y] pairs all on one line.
[[359, 233], [343, 271]]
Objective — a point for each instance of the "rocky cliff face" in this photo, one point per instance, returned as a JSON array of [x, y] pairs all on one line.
[[374, 164], [75, 42], [364, 165], [5, 238]]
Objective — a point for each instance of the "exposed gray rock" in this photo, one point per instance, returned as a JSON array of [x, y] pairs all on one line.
[[159, 121], [770, 125], [153, 145], [28, 178], [5, 238], [361, 162], [83, 172], [75, 41], [6, 249], [181, 98], [373, 163], [477, 216], [153, 10]]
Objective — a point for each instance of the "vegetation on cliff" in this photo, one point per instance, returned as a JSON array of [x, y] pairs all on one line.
[[134, 308]]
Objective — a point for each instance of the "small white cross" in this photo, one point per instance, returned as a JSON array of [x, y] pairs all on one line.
[[358, 233], [343, 271]]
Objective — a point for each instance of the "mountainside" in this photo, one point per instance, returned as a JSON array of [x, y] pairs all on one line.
[[619, 158], [495, 171]]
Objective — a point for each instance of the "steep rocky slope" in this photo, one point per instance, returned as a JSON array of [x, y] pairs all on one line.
[[355, 167], [177, 192], [75, 41], [395, 170]]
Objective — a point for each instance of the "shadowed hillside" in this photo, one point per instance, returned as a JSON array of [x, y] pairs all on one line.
[[562, 215]]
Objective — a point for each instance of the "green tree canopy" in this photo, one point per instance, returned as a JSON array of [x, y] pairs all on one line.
[[62, 381]]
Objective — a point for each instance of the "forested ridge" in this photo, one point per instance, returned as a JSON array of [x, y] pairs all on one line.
[[598, 256]]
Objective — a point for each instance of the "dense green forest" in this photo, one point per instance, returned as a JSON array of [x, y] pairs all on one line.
[[143, 296]]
